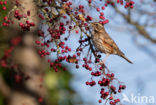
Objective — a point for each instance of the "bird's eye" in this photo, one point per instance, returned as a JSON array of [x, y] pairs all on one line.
[[96, 24]]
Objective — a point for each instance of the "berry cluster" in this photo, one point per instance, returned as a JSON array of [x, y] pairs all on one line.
[[4, 60], [17, 15], [6, 22], [26, 26], [129, 4], [97, 73], [3, 4]]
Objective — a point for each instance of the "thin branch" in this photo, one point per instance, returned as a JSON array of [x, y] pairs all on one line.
[[142, 31]]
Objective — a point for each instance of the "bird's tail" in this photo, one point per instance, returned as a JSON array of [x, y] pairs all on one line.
[[123, 56]]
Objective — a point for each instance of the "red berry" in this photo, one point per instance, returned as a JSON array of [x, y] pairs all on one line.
[[40, 99], [102, 17], [5, 2], [18, 78], [87, 83], [119, 90], [101, 13], [5, 18], [100, 101], [112, 75], [103, 7], [111, 98], [4, 8], [37, 42], [77, 31], [77, 66], [98, 9], [1, 2]]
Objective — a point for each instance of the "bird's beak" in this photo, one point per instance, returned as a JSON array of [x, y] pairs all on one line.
[[92, 24]]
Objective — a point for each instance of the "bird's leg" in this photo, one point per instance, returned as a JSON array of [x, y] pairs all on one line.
[[103, 61]]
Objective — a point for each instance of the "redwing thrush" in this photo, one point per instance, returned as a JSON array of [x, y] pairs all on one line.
[[104, 43]]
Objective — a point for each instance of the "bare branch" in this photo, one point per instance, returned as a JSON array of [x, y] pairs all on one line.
[[139, 28]]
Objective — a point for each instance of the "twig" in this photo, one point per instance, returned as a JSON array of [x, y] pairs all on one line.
[[139, 28]]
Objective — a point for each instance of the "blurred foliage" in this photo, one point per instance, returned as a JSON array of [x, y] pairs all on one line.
[[3, 36], [1, 100], [2, 12], [1, 97], [60, 91], [58, 84], [3, 44]]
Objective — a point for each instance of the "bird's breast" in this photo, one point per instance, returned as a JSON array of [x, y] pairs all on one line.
[[101, 45]]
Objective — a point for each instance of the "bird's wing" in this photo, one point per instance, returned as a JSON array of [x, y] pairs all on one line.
[[112, 44], [107, 39]]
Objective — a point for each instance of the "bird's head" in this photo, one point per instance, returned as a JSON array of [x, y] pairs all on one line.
[[97, 26]]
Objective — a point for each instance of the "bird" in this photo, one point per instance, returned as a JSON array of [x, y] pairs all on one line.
[[103, 42]]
